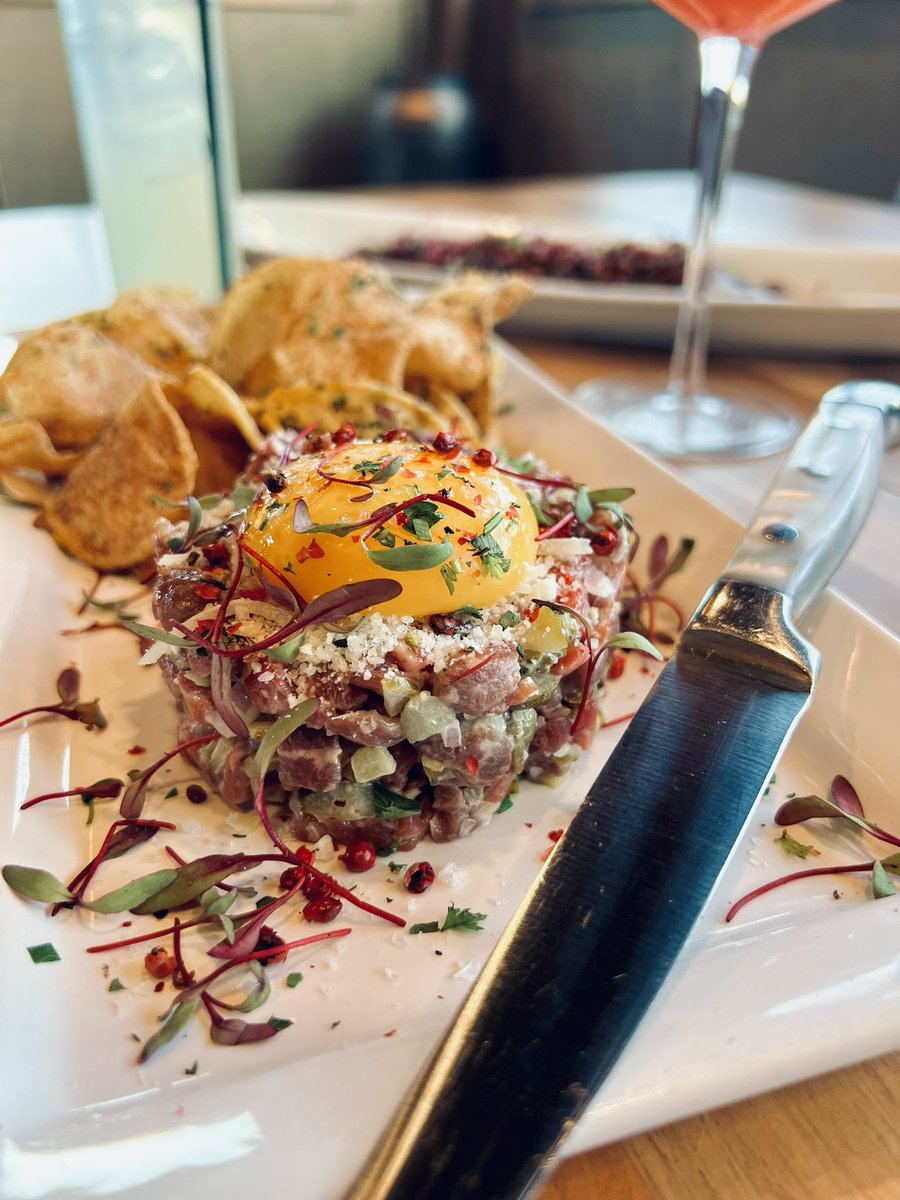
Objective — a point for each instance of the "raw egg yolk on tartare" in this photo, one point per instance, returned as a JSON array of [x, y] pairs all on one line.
[[450, 531]]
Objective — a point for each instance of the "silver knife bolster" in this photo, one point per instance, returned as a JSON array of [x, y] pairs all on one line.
[[750, 628], [816, 504]]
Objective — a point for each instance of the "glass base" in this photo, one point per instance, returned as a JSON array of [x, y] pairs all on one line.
[[732, 424]]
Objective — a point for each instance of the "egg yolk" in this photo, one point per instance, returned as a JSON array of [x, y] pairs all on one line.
[[451, 532]]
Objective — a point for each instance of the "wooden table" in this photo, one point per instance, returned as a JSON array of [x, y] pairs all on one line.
[[833, 1138]]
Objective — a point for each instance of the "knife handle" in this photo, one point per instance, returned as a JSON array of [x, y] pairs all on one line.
[[821, 494]]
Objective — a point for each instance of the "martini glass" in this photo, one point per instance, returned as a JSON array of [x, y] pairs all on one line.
[[683, 418]]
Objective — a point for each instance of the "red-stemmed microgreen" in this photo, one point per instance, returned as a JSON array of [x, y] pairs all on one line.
[[67, 687], [557, 527], [843, 802], [340, 602], [279, 575], [103, 789], [133, 800], [259, 804]]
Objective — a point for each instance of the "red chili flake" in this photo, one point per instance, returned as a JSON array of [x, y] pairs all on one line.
[[233, 628], [159, 987], [390, 1033], [205, 627], [137, 750], [472, 764], [419, 877], [555, 834], [529, 825], [125, 924], [484, 457], [159, 963], [253, 594], [313, 550], [616, 666], [206, 591], [408, 473]]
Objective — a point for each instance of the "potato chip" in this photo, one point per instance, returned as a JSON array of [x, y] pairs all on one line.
[[453, 414], [301, 320], [105, 511], [73, 381], [369, 406], [220, 426], [24, 445], [26, 487], [168, 328], [211, 395]]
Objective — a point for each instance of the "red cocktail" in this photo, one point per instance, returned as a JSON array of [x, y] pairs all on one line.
[[749, 20], [682, 419]]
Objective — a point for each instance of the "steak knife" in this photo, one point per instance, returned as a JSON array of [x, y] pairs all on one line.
[[589, 948]]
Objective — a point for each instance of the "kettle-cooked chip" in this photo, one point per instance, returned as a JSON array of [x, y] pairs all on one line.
[[294, 320], [24, 445], [105, 511], [168, 328], [220, 426], [370, 407], [73, 381]]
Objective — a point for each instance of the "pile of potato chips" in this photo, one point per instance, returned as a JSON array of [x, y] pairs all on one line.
[[111, 414]]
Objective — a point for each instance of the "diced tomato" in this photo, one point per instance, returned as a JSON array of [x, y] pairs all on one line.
[[576, 656]]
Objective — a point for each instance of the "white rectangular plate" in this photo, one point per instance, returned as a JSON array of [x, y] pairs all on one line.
[[800, 983], [837, 299]]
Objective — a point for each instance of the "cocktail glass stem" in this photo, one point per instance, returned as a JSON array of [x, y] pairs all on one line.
[[725, 67]]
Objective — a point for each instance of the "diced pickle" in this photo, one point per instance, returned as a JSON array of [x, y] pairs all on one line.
[[372, 762], [522, 723], [547, 634], [348, 802], [425, 716], [396, 690]]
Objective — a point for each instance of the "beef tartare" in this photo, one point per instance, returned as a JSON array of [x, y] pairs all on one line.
[[391, 632]]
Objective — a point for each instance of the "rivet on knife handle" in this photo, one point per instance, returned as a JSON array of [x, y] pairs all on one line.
[[821, 494]]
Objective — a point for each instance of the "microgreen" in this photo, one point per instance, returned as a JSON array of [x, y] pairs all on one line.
[[280, 729], [450, 574], [411, 558], [103, 789], [133, 799], [33, 883], [67, 687]]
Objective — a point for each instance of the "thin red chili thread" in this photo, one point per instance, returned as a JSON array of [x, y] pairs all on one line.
[[393, 510], [808, 873], [560, 524]]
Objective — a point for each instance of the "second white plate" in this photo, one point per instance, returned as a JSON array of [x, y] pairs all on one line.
[[835, 300]]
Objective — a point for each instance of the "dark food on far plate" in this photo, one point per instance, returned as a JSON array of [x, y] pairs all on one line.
[[413, 711], [627, 263]]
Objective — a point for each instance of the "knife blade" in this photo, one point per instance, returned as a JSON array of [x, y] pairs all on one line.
[[586, 953]]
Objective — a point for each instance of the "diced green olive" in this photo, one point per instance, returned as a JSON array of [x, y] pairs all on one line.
[[372, 762]]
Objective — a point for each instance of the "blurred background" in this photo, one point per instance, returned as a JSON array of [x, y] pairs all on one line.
[[332, 93]]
